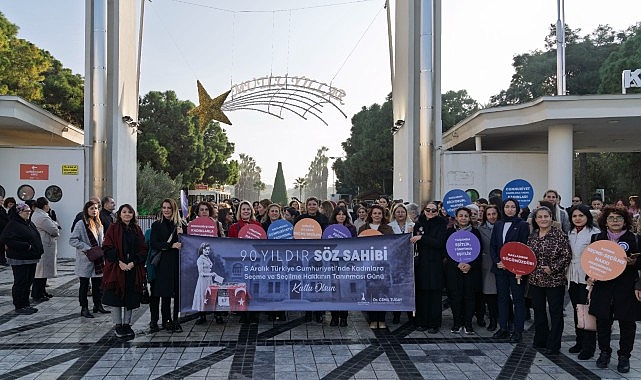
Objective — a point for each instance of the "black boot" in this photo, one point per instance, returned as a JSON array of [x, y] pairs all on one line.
[[84, 312], [492, 325], [100, 309]]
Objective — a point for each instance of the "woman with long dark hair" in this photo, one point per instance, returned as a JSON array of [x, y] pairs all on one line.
[[341, 216], [124, 274]]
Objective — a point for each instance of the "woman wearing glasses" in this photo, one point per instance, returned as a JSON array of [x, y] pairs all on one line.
[[429, 240], [617, 299]]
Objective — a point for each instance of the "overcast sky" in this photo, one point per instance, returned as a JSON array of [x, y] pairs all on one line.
[[225, 42]]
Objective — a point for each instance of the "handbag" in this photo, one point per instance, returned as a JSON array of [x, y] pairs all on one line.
[[144, 299], [155, 253], [585, 320], [95, 253]]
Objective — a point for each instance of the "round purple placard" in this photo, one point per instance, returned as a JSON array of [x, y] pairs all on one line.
[[336, 231], [463, 247]]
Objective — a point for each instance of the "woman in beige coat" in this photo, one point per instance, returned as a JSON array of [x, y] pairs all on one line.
[[49, 232]]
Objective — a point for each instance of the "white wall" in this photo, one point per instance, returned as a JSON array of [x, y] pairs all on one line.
[[485, 171], [72, 186]]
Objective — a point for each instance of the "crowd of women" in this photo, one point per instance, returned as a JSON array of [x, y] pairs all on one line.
[[118, 262]]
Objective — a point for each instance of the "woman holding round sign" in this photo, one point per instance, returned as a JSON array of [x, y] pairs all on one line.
[[581, 232], [429, 240], [341, 217], [272, 214], [511, 228], [547, 281], [463, 269], [245, 216], [618, 298], [376, 220]]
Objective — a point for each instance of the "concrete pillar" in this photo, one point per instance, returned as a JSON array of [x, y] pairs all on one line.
[[560, 156], [478, 144]]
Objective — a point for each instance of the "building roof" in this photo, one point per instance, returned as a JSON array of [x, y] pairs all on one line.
[[601, 123], [25, 124]]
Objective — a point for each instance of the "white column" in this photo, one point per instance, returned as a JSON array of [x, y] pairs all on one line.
[[560, 156], [478, 143]]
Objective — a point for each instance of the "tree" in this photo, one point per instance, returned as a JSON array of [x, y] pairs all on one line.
[[300, 183], [279, 193], [369, 152], [456, 106], [626, 57], [152, 186], [171, 141], [63, 93], [318, 174], [248, 175], [259, 186]]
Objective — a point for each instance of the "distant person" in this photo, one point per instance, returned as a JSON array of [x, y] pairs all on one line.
[[4, 219], [47, 266], [107, 215], [596, 202]]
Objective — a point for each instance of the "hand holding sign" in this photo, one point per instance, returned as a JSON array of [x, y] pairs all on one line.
[[454, 199], [603, 260], [518, 258], [307, 228], [252, 231], [463, 247]]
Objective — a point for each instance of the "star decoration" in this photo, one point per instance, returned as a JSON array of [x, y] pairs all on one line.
[[210, 109], [241, 301]]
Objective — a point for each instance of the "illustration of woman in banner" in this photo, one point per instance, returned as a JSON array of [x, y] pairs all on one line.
[[205, 280]]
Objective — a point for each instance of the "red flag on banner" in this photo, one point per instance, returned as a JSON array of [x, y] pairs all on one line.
[[238, 297]]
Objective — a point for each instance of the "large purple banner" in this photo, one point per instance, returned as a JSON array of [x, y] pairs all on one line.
[[367, 273]]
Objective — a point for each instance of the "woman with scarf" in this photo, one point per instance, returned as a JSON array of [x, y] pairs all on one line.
[[511, 228], [124, 273], [617, 299], [462, 279], [165, 239], [83, 237]]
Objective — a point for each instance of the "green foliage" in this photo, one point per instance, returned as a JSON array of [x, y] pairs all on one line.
[[626, 57], [171, 142], [317, 175], [618, 173], [279, 194], [152, 186], [456, 106], [369, 152], [248, 175], [63, 93], [300, 183]]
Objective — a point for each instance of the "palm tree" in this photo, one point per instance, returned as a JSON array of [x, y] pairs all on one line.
[[300, 183], [259, 186]]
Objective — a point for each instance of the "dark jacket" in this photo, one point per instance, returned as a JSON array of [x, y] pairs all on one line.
[[453, 274], [106, 218], [428, 265], [320, 218], [22, 239], [4, 218], [167, 269], [383, 228], [618, 293], [519, 232]]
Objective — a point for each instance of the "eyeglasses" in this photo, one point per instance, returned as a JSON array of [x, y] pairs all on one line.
[[612, 218], [431, 210]]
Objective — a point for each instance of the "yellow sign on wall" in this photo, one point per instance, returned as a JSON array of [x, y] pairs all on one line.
[[69, 169]]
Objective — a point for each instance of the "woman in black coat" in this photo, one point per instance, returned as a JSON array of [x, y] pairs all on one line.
[[429, 238], [617, 299], [462, 280], [24, 248], [164, 238]]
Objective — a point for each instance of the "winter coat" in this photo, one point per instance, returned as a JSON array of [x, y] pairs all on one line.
[[453, 275], [519, 231], [49, 233], [320, 218], [21, 239], [552, 250], [428, 265], [80, 241], [167, 269], [618, 294], [234, 229], [489, 280], [578, 242]]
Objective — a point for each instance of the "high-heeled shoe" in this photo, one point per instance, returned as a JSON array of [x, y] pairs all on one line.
[[84, 312], [100, 309]]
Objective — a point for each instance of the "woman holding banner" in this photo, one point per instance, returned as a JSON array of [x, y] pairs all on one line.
[[547, 282], [511, 228], [463, 280], [617, 299], [164, 238], [376, 220], [429, 241], [341, 216], [581, 231], [401, 225]]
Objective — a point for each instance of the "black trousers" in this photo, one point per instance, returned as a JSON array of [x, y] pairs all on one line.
[[627, 331], [22, 280], [429, 308], [376, 316], [492, 306], [584, 338], [462, 299], [96, 291], [38, 288], [339, 314], [545, 299], [165, 306]]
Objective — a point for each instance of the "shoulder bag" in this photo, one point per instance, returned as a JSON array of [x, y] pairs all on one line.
[[155, 253], [585, 320]]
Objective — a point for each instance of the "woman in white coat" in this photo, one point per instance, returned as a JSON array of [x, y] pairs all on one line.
[[49, 233], [85, 235]]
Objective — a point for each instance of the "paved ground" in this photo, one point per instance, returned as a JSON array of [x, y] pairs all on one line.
[[56, 343]]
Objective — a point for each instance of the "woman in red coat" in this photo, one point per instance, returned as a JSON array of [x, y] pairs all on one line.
[[124, 273]]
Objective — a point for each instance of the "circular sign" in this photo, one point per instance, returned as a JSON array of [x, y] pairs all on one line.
[[307, 228], [336, 231], [280, 229], [203, 226], [519, 189], [603, 260], [463, 246], [370, 232], [454, 199], [518, 258], [252, 231]]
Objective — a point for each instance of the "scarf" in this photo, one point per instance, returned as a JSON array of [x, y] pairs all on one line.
[[614, 236], [467, 228]]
